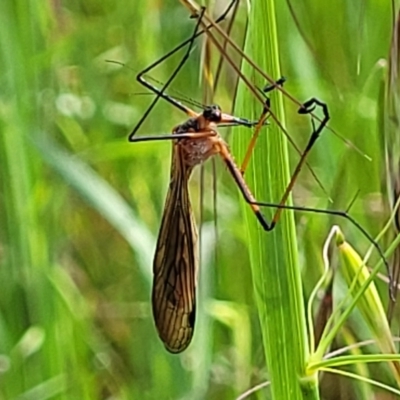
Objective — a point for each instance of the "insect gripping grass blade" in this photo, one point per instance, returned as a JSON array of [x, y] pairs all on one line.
[[194, 141]]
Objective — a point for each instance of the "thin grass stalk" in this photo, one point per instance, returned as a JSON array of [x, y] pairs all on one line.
[[21, 231]]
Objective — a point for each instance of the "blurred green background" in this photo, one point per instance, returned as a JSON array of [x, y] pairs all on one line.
[[80, 207]]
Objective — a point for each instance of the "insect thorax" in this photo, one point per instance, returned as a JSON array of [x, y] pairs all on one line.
[[198, 149]]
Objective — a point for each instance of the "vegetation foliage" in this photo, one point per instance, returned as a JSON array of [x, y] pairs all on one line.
[[80, 207]]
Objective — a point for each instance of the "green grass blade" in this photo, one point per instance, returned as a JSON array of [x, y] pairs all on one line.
[[274, 258], [102, 197]]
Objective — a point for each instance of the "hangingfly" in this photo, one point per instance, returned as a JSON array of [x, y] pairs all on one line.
[[175, 265]]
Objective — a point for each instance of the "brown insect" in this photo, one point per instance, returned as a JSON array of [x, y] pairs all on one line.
[[175, 265]]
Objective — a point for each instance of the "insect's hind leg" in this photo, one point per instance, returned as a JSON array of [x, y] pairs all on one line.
[[306, 108], [309, 107]]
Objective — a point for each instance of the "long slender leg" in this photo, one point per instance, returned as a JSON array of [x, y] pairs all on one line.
[[269, 226], [262, 120], [161, 92], [225, 43], [306, 108], [260, 96]]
